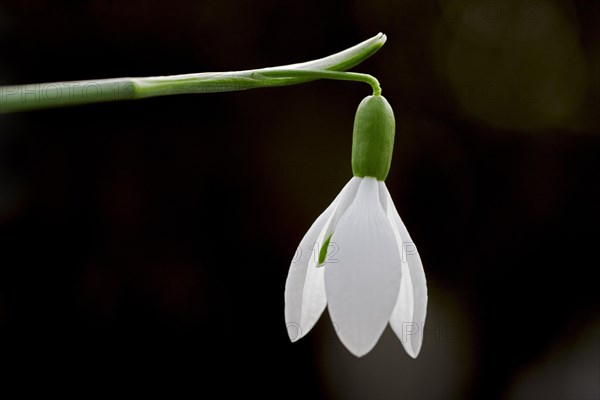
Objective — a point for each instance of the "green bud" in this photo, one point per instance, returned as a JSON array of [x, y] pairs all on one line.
[[373, 138]]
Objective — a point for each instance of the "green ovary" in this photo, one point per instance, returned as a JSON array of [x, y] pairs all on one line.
[[373, 138]]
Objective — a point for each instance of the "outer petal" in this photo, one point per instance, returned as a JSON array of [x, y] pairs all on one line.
[[305, 297], [363, 286], [408, 318]]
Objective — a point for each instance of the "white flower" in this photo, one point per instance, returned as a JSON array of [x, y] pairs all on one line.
[[375, 275]]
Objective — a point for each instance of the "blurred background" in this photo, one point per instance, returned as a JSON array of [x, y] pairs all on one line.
[[146, 244]]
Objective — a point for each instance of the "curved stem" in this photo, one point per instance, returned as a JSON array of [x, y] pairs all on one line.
[[61, 94], [334, 75]]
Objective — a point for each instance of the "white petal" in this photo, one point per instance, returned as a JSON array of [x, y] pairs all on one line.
[[363, 286], [408, 318], [305, 297]]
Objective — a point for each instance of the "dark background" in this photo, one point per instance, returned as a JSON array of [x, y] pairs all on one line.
[[146, 244]]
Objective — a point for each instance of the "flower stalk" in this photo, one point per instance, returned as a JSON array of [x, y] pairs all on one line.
[[61, 94]]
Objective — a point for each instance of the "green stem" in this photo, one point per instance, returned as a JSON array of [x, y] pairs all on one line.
[[61, 94], [334, 75]]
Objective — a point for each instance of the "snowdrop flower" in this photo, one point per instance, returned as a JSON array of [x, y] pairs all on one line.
[[374, 274]]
